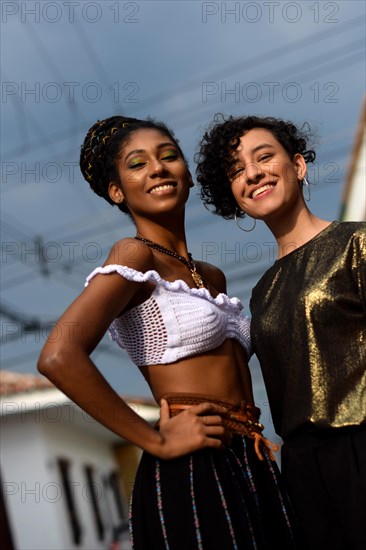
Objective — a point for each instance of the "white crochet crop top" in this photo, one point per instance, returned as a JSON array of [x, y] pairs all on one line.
[[176, 321]]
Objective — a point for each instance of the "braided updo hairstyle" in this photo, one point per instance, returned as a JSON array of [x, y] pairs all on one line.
[[102, 147], [215, 158]]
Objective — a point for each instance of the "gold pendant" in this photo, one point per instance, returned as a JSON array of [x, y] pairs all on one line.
[[197, 279]]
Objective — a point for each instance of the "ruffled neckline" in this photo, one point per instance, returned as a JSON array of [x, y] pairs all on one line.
[[222, 300]]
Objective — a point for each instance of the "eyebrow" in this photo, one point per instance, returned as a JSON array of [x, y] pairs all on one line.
[[258, 148], [160, 146], [261, 146]]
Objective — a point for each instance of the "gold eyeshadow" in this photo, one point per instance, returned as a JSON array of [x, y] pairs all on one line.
[[169, 154], [135, 162]]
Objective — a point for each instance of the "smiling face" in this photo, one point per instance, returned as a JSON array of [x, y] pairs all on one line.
[[265, 181], [154, 177]]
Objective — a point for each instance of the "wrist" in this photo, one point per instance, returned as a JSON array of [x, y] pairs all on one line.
[[156, 446]]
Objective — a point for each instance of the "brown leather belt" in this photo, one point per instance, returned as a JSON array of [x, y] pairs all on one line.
[[242, 418]]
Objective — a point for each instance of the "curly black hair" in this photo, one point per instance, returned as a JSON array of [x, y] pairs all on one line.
[[215, 157], [102, 147]]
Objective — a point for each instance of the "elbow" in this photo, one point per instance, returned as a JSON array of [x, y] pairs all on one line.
[[51, 364]]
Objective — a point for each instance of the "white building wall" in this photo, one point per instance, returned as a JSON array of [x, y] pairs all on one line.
[[355, 209], [31, 444], [25, 478], [67, 440]]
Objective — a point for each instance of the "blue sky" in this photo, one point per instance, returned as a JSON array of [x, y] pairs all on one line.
[[67, 64]]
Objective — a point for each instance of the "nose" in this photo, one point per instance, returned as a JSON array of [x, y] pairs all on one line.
[[253, 172], [157, 168]]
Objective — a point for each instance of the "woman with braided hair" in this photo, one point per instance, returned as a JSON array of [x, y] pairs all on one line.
[[207, 478], [308, 321]]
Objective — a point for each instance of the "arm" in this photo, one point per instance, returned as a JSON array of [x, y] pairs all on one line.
[[65, 361]]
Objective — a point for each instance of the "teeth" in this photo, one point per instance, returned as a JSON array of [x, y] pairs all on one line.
[[261, 190], [161, 188]]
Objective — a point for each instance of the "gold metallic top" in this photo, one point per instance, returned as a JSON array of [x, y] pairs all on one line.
[[309, 331]]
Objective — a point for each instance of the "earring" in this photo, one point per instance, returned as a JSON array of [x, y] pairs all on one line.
[[236, 218], [306, 185]]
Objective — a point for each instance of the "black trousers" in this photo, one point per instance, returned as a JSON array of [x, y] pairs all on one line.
[[325, 475]]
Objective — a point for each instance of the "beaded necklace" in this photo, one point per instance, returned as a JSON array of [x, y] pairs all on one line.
[[190, 263]]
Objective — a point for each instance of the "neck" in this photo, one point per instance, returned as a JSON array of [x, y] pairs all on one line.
[[172, 236], [187, 261], [293, 231]]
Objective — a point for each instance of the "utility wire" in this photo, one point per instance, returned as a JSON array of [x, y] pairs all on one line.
[[351, 58], [109, 226], [222, 73], [49, 63], [261, 58]]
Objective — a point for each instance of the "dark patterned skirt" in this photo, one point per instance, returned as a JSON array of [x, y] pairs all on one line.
[[211, 500]]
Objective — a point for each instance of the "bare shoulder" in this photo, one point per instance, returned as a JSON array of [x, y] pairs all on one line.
[[131, 253], [109, 294], [213, 275]]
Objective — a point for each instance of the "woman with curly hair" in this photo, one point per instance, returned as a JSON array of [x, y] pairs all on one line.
[[308, 320], [207, 478]]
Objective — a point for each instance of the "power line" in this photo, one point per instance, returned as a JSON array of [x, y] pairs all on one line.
[[20, 116], [109, 226], [22, 322], [90, 50], [350, 58], [261, 58], [49, 62]]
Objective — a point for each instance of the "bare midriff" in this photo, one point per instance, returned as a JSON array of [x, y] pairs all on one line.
[[221, 373]]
